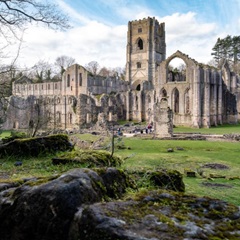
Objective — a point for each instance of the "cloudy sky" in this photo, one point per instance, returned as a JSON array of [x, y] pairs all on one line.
[[99, 29]]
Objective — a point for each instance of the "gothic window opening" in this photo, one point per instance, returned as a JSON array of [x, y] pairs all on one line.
[[58, 117], [176, 70], [80, 79], [136, 99], [139, 30], [70, 118], [138, 88], [176, 101], [187, 102], [140, 44], [139, 65], [55, 85], [49, 87], [163, 93], [68, 80]]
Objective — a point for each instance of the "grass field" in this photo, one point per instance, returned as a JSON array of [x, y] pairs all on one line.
[[152, 154], [221, 129], [148, 154]]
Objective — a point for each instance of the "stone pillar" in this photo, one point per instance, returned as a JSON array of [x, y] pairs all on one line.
[[220, 116], [214, 99], [206, 115], [163, 119], [128, 107], [140, 106], [197, 99]]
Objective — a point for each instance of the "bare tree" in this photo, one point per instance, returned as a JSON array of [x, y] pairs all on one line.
[[104, 72], [41, 71], [93, 67], [15, 17], [64, 62], [17, 14]]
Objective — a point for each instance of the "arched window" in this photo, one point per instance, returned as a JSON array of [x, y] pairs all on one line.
[[163, 93], [70, 118], [68, 80], [138, 88], [136, 100], [140, 44], [58, 117], [176, 100], [187, 102]]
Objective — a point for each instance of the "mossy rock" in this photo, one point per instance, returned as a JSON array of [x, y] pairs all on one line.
[[168, 179], [89, 158], [33, 147]]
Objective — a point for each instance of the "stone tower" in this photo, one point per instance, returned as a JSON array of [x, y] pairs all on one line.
[[146, 48]]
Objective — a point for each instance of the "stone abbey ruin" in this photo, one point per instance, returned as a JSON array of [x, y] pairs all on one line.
[[198, 96]]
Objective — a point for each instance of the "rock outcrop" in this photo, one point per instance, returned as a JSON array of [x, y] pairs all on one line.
[[82, 204], [32, 147]]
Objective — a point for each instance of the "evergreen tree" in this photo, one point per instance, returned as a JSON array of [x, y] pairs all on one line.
[[227, 48]]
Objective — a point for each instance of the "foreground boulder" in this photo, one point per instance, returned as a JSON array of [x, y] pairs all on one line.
[[46, 211], [160, 215], [88, 158], [81, 205], [32, 147]]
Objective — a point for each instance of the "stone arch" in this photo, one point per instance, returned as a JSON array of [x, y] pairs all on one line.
[[177, 71], [137, 85], [186, 101], [190, 63], [175, 100]]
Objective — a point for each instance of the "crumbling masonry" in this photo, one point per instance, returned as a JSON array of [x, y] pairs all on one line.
[[201, 96]]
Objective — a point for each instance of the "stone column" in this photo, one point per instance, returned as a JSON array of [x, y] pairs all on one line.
[[163, 117], [206, 115], [196, 98], [128, 107], [220, 116], [214, 98]]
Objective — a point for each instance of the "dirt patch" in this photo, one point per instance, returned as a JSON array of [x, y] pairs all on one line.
[[215, 166], [208, 184]]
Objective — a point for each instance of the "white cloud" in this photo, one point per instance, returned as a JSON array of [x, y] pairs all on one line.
[[185, 33], [93, 41]]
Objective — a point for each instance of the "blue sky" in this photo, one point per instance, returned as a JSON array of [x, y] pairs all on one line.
[[99, 29]]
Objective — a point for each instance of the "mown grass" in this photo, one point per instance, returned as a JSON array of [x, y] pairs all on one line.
[[221, 129], [153, 154], [148, 154], [4, 134]]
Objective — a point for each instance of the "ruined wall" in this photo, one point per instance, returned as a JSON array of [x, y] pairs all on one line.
[[163, 124]]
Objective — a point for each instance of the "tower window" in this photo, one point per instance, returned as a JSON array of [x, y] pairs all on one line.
[[140, 44], [139, 30], [138, 65], [80, 79], [68, 80]]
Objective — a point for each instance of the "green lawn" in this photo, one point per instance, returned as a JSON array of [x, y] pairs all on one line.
[[148, 154], [152, 154], [221, 129], [4, 134]]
